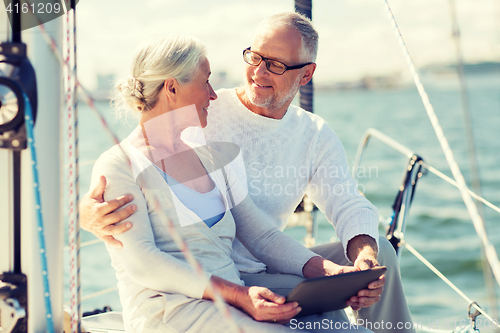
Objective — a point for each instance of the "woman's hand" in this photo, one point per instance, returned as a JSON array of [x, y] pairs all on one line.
[[258, 302], [264, 305]]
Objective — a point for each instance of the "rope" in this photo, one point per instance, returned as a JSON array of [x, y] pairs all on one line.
[[219, 302], [454, 183], [489, 249], [88, 99], [371, 132], [474, 178], [410, 248], [83, 163], [96, 294], [444, 278], [73, 188], [466, 114], [38, 207], [99, 293], [182, 246], [85, 244], [77, 171]]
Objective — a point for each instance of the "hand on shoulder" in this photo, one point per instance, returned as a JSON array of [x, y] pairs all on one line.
[[102, 218]]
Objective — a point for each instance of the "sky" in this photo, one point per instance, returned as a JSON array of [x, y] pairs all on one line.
[[356, 37]]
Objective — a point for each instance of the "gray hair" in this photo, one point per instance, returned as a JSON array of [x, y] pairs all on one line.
[[303, 25], [171, 56]]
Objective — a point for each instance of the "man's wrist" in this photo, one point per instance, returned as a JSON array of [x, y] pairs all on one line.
[[361, 244], [314, 267]]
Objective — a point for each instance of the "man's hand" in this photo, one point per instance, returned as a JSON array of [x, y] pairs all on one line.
[[101, 218], [367, 297], [318, 267], [362, 251]]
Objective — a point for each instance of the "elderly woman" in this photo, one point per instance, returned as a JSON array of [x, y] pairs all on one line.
[[183, 188]]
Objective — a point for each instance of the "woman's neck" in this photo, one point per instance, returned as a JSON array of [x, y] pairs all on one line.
[[162, 129]]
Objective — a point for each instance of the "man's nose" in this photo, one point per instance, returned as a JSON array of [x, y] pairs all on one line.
[[261, 69]]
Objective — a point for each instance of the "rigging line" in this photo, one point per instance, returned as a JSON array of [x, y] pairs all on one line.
[[444, 278], [84, 244], [466, 114], [182, 245], [489, 249], [219, 302], [97, 294], [474, 178], [82, 163], [454, 183], [74, 101], [73, 228], [88, 99], [440, 275], [390, 142], [77, 170]]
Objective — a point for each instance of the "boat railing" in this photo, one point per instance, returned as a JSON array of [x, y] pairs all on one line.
[[397, 146], [374, 133]]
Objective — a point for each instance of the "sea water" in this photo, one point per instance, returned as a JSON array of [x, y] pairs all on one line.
[[439, 226]]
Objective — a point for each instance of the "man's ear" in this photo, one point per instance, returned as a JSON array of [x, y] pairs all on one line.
[[308, 73]]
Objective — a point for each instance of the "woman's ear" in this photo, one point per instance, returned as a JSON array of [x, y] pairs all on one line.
[[171, 88]]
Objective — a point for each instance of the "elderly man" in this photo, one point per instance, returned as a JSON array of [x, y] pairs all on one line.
[[288, 152]]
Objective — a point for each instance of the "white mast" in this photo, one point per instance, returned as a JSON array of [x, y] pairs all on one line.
[[48, 143]]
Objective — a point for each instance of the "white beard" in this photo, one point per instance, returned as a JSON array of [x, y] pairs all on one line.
[[272, 102]]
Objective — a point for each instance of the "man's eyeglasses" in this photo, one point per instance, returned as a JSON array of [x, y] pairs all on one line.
[[274, 66]]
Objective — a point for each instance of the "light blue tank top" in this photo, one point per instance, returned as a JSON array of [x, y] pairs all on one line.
[[208, 206]]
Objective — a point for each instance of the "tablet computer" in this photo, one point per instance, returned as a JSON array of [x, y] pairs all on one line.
[[330, 293]]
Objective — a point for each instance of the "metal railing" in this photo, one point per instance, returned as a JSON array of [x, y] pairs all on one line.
[[390, 142]]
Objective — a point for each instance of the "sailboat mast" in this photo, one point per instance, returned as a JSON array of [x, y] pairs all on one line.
[[49, 146], [20, 262], [306, 91]]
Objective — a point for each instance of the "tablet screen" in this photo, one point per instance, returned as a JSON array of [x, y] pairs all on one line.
[[330, 293]]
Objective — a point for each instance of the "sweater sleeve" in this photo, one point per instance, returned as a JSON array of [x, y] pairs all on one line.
[[141, 259], [256, 231], [335, 192]]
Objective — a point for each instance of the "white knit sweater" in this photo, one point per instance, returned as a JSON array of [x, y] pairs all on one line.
[[286, 158]]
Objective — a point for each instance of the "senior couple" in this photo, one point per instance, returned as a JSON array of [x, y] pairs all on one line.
[[227, 217]]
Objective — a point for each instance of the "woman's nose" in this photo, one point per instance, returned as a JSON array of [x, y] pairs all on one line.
[[213, 95]]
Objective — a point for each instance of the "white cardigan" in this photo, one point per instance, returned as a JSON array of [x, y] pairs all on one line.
[[150, 263]]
